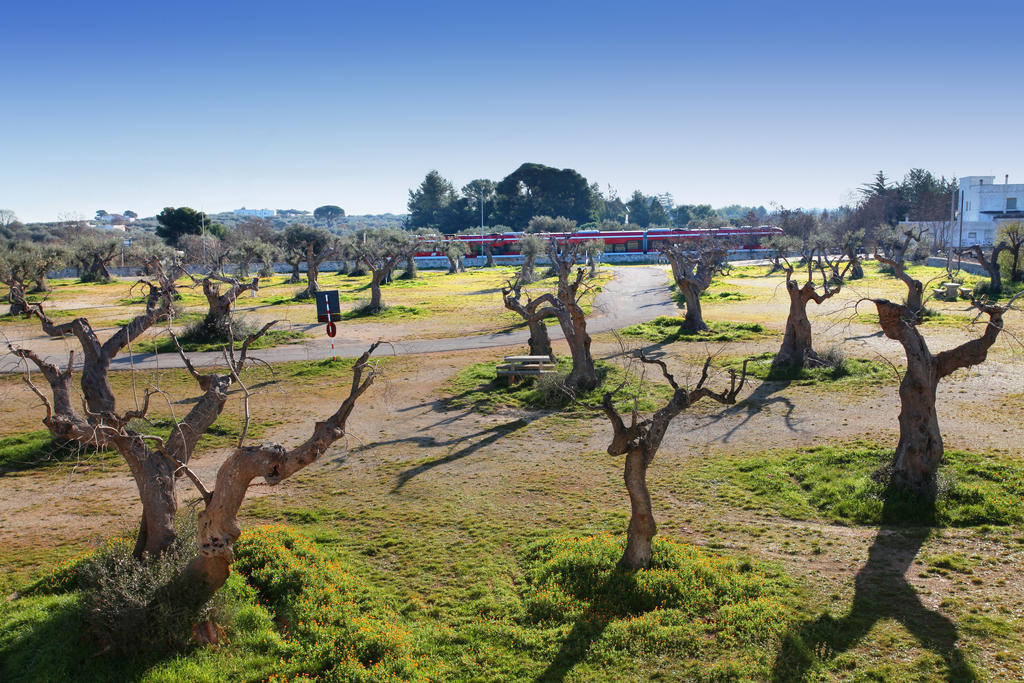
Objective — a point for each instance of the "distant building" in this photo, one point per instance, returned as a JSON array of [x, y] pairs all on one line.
[[258, 213], [982, 207], [666, 200], [114, 219]]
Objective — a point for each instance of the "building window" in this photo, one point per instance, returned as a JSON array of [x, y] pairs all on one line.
[[1011, 203], [972, 236]]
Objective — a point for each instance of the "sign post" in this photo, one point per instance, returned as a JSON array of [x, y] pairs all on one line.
[[328, 310]]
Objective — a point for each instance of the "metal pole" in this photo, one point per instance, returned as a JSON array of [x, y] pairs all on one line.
[[949, 232], [958, 254]]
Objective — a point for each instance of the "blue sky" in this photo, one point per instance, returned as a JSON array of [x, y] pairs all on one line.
[[121, 105]]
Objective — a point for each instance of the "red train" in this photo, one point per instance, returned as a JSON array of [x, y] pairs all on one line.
[[621, 242]]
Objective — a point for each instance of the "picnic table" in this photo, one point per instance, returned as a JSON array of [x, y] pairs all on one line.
[[517, 367]]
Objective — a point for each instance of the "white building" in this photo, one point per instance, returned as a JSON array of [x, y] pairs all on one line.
[[982, 207], [258, 213]]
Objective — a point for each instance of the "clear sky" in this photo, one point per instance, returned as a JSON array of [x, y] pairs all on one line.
[[136, 105]]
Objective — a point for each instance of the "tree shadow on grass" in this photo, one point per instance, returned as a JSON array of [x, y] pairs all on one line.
[[474, 442], [882, 592], [55, 645], [757, 401], [576, 646], [38, 449]]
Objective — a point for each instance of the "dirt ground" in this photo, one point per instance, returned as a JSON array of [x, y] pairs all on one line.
[[407, 449]]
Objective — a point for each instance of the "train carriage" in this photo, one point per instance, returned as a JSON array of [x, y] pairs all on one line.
[[620, 241]]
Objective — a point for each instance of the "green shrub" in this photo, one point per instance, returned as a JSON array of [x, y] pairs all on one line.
[[124, 601]]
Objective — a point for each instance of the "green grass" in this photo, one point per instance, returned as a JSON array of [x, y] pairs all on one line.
[[386, 313], [298, 607], [32, 450], [479, 387], [665, 329], [835, 483], [164, 344], [930, 318], [224, 432], [723, 296], [848, 371]]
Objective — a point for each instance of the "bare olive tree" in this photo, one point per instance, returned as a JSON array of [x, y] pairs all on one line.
[[919, 450], [533, 312], [796, 350], [896, 244], [154, 476], [530, 247], [219, 527], [990, 263], [379, 251], [780, 246], [694, 264], [564, 305], [640, 441], [216, 326]]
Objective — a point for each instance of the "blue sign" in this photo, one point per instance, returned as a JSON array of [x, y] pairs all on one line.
[[327, 307]]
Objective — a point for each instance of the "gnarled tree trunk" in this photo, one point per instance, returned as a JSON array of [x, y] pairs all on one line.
[[313, 262], [564, 304], [16, 297], [919, 450], [216, 326], [694, 318], [104, 428], [489, 253], [693, 267], [796, 350], [534, 314], [411, 269], [642, 528], [991, 266]]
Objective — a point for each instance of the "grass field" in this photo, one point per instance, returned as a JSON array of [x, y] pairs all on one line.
[[468, 531]]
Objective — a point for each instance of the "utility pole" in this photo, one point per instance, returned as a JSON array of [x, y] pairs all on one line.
[[961, 246]]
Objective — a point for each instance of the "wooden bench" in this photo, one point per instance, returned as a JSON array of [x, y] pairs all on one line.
[[517, 367], [949, 291]]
